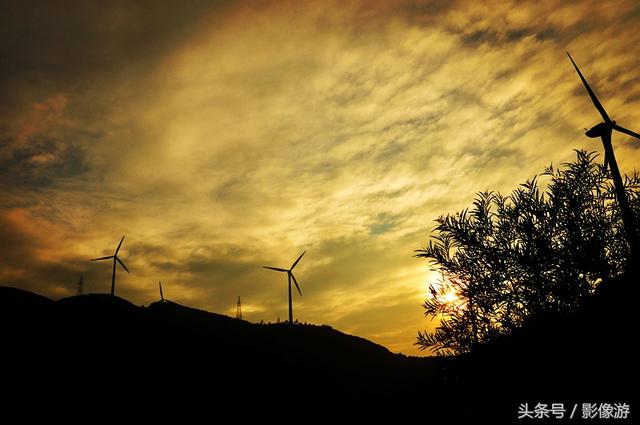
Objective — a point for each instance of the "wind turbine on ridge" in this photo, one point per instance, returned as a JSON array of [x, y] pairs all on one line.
[[290, 277], [604, 130], [115, 259]]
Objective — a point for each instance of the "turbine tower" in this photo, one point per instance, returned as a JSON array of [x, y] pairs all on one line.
[[239, 309], [604, 130], [115, 259], [290, 277], [80, 290], [161, 295]]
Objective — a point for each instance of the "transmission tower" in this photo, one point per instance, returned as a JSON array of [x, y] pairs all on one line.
[[239, 309], [80, 290]]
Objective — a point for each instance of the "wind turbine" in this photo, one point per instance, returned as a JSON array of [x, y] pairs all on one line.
[[161, 295], [115, 259], [604, 131], [290, 277]]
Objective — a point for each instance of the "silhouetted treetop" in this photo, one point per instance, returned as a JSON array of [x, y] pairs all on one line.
[[509, 258]]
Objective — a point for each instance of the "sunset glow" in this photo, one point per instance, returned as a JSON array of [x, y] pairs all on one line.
[[223, 137]]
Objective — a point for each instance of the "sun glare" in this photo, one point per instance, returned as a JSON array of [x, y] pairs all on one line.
[[446, 292], [451, 297]]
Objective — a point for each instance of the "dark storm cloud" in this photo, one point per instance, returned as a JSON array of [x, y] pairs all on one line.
[[59, 42], [56, 60], [42, 163]]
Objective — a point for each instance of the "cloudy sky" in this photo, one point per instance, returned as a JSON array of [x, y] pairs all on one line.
[[221, 136]]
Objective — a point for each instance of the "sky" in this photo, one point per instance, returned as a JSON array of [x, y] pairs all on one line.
[[222, 136]]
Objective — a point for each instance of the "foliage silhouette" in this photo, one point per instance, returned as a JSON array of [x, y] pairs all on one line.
[[511, 258]]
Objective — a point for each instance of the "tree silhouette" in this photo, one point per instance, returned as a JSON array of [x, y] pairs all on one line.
[[511, 258]]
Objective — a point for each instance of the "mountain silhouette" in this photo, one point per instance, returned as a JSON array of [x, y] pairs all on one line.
[[14, 301], [109, 348], [101, 353]]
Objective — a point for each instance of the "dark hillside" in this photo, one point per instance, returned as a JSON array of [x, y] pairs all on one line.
[[86, 350], [191, 357], [587, 356]]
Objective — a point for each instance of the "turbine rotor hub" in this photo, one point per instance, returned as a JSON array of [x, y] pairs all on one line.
[[599, 130]]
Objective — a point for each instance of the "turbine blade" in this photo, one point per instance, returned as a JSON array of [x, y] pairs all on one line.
[[275, 268], [103, 258], [296, 262], [296, 282], [119, 245], [625, 131], [122, 264], [592, 95]]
